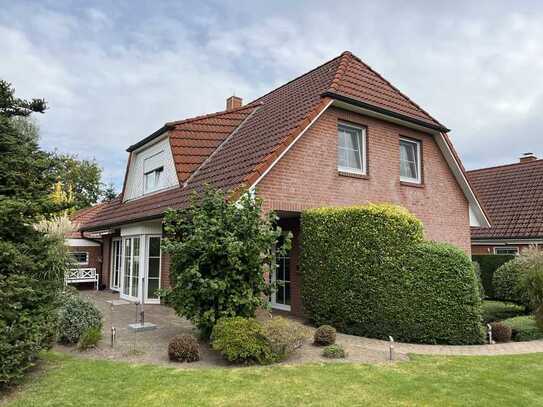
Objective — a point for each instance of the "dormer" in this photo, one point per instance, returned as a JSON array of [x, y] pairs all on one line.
[[151, 169]]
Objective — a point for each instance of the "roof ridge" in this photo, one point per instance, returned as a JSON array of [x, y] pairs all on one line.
[[300, 76], [346, 58], [251, 105], [506, 165], [395, 88]]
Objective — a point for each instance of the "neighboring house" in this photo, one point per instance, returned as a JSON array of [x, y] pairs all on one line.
[[85, 247], [337, 135], [513, 197]]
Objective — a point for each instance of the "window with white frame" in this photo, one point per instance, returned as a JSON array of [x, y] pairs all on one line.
[[410, 161], [506, 250], [80, 257], [351, 152], [153, 169]]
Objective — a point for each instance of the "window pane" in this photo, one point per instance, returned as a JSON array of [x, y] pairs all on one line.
[[152, 286], [408, 160], [154, 246], [154, 267], [350, 152]]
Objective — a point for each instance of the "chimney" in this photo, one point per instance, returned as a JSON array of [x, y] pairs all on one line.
[[527, 157], [233, 102]]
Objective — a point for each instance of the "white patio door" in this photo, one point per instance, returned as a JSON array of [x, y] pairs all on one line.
[[116, 264], [280, 298], [131, 268], [153, 269]]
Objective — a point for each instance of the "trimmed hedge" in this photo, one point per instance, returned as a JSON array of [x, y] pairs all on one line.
[[367, 271], [499, 310], [508, 283], [524, 328], [488, 264]]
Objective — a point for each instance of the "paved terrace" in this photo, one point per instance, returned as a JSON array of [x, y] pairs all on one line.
[[151, 346]]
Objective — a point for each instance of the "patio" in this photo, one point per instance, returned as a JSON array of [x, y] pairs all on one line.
[[151, 346]]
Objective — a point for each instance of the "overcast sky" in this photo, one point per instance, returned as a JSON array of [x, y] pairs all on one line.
[[112, 74]]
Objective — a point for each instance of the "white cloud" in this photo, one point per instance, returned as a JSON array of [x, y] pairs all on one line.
[[112, 75]]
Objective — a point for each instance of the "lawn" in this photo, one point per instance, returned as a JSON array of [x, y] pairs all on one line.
[[425, 380]]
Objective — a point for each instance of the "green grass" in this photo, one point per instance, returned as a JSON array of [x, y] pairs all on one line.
[[499, 310], [442, 381], [524, 328]]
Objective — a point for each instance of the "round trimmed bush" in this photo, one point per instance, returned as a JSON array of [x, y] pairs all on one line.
[[284, 336], [334, 352], [501, 332], [76, 316], [242, 340], [507, 282], [325, 335], [367, 271], [184, 348]]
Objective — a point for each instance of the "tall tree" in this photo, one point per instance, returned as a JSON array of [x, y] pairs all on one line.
[[81, 178]]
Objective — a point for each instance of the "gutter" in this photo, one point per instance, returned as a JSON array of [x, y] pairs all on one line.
[[384, 111]]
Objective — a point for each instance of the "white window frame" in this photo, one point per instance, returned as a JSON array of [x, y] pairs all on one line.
[[156, 183], [361, 152], [418, 144], [84, 263], [517, 251]]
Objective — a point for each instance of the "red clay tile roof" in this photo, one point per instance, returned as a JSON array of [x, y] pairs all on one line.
[[233, 148], [193, 140], [513, 197], [81, 217]]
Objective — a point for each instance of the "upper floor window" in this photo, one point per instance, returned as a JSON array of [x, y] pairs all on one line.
[[351, 152], [410, 162], [153, 168], [80, 257]]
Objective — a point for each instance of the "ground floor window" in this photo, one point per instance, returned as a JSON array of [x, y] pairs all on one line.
[[280, 275], [506, 250], [81, 258]]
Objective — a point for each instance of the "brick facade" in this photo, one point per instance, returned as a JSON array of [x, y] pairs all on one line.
[[307, 176]]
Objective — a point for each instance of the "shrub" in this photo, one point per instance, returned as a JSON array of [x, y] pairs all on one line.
[[76, 315], [507, 282], [532, 280], [524, 328], [367, 271], [334, 352], [501, 332], [325, 335], [480, 285], [242, 340], [27, 324], [498, 310], [89, 338], [219, 252], [284, 336], [184, 348], [488, 264]]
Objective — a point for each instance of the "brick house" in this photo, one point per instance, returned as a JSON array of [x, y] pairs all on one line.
[[338, 135], [513, 197]]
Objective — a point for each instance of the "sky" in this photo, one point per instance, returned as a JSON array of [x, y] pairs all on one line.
[[114, 72]]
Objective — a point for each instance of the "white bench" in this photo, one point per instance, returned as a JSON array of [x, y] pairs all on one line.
[[82, 275]]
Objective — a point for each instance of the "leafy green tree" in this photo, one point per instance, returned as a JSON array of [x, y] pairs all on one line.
[[80, 178], [109, 193], [220, 254]]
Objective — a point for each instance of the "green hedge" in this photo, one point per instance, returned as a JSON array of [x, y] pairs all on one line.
[[488, 264], [27, 324], [507, 282], [367, 271]]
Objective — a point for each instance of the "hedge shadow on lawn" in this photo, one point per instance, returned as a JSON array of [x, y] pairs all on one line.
[[368, 271]]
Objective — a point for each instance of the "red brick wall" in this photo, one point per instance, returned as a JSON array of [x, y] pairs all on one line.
[[165, 271], [307, 176]]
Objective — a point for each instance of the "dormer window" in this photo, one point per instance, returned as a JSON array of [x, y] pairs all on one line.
[[153, 167]]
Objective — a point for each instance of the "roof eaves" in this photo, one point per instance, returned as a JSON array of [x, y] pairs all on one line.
[[387, 112]]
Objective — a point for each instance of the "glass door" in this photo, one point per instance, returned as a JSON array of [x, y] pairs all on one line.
[[131, 267], [280, 298], [153, 269], [116, 264]]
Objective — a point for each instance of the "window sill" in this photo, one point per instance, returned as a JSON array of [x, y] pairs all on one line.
[[412, 184], [352, 175]]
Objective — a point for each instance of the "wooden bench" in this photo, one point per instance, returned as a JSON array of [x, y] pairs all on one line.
[[82, 275]]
